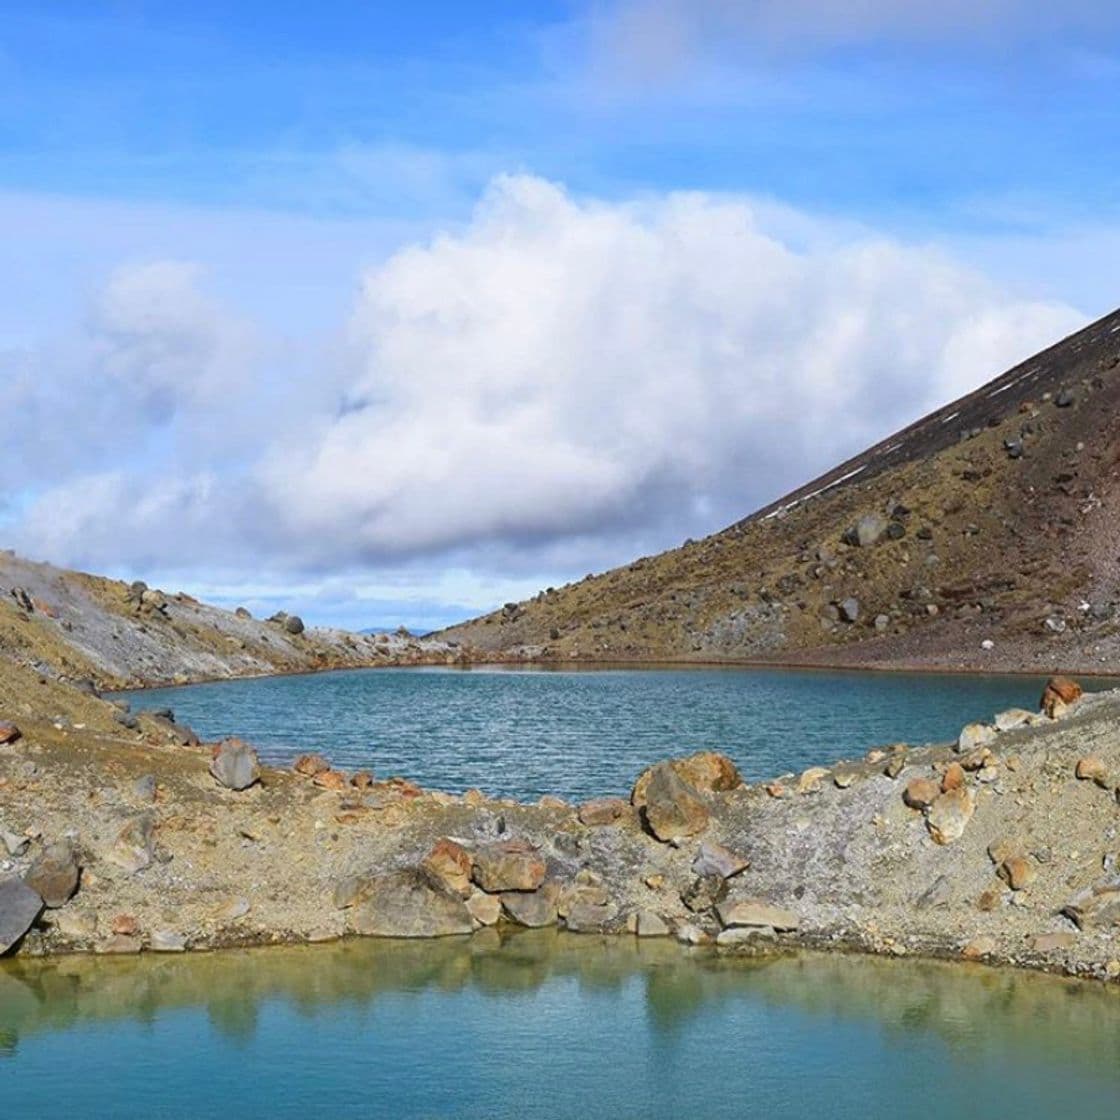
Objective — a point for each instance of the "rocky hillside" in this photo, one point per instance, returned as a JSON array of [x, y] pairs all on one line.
[[986, 535], [71, 626]]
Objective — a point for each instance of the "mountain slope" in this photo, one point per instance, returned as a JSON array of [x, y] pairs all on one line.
[[991, 539]]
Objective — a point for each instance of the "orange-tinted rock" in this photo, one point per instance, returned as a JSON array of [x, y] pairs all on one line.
[[510, 865], [310, 764], [920, 793], [1059, 693], [363, 779], [451, 864], [331, 779], [125, 924], [9, 733], [706, 771], [953, 778], [1018, 872], [603, 811], [673, 808]]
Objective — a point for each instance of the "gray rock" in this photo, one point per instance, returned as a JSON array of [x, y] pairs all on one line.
[[132, 850], [20, 905], [167, 941], [755, 912], [869, 529], [532, 908], [704, 892], [14, 844], [409, 903], [294, 624], [849, 609], [144, 789], [744, 937], [673, 809], [235, 765], [650, 924], [715, 859], [1064, 398], [590, 917], [54, 874]]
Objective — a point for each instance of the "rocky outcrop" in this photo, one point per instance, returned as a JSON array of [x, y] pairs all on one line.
[[672, 809]]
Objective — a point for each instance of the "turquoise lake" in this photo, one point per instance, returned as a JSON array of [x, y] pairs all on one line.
[[527, 732], [548, 1025]]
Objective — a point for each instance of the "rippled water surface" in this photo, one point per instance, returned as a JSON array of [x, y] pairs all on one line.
[[548, 1025], [523, 733]]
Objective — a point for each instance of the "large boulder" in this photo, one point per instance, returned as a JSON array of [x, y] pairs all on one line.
[[20, 905], [410, 903], [1058, 694], [706, 771], [234, 764], [532, 908], [509, 865], [54, 874], [673, 809]]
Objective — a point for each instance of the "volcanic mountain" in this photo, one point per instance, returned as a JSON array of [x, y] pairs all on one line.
[[985, 535]]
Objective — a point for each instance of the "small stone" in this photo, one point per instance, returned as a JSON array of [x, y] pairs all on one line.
[[9, 732], [921, 793], [976, 759], [1052, 942], [234, 764], [587, 917], [603, 811], [144, 789], [132, 850], [1018, 872], [14, 844], [978, 948], [120, 943], [310, 764], [1093, 769], [715, 859], [989, 900], [842, 779], [895, 765], [949, 815], [232, 910], [953, 778], [744, 936], [849, 609], [975, 735], [333, 780], [126, 924], [649, 924], [704, 892], [755, 912], [362, 779], [810, 781], [1014, 718]]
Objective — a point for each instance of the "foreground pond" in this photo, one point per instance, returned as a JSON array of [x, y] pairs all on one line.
[[548, 1025], [524, 733]]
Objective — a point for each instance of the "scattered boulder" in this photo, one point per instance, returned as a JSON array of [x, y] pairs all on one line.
[[294, 624], [705, 771], [131, 851], [673, 809], [1059, 693], [20, 905], [1018, 871], [949, 815], [849, 609], [9, 732], [755, 912], [715, 859], [867, 531], [602, 811], [410, 903], [310, 764], [450, 863], [921, 793], [234, 764], [54, 874], [1054, 942], [975, 735], [704, 892], [509, 865], [1093, 769]]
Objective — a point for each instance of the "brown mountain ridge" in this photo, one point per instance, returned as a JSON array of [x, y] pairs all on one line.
[[985, 535]]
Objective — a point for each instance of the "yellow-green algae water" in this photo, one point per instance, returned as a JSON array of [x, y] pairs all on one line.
[[546, 1024]]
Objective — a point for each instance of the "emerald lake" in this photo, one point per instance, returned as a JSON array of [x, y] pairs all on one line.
[[541, 1024], [579, 733]]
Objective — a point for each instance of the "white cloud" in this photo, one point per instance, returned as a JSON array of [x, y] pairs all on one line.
[[560, 384]]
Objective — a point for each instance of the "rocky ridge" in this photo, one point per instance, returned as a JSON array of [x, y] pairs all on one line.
[[1000, 847]]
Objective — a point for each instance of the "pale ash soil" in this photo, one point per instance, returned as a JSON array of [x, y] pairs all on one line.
[[855, 866], [1000, 550]]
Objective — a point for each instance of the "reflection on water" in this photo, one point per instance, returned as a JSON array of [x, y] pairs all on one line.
[[548, 1024]]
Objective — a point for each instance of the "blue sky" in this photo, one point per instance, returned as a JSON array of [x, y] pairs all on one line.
[[315, 285]]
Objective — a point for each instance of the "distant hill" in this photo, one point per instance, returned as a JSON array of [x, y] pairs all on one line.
[[985, 535]]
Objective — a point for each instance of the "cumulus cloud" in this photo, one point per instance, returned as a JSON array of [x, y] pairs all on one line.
[[562, 383], [569, 366]]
